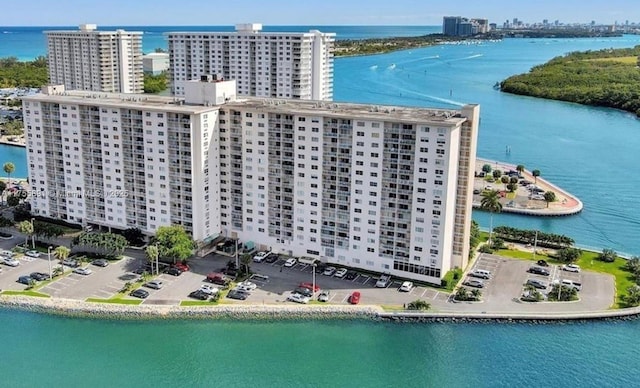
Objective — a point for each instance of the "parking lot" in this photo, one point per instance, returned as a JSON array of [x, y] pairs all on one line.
[[503, 290]]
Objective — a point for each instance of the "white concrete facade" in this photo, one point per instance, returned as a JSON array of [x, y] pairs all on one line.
[[264, 64], [385, 189], [155, 63], [100, 61]]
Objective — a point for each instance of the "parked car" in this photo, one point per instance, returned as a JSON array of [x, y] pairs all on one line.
[[217, 278], [569, 283], [173, 271], [7, 253], [39, 276], [539, 271], [320, 267], [543, 263], [298, 298], [351, 275], [209, 290], [260, 256], [100, 262], [248, 285], [406, 287], [199, 294], [481, 273], [25, 280], [329, 271], [10, 261], [271, 259], [32, 253], [140, 293], [303, 291], [383, 281], [314, 287], [537, 283], [571, 268], [342, 272], [290, 262], [355, 297], [155, 284], [237, 294], [181, 266], [324, 296], [474, 283], [83, 271], [73, 263]]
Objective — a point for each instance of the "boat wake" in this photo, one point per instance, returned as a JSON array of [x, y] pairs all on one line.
[[393, 66], [374, 67]]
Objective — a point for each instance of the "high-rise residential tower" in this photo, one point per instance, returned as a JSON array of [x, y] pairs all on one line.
[[99, 61], [296, 65]]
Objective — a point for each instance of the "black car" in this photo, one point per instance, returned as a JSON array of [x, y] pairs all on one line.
[[141, 270], [39, 276], [25, 280], [320, 267], [140, 293], [539, 271], [236, 294], [351, 275], [303, 291], [199, 294], [100, 262], [271, 259], [173, 271], [543, 263]]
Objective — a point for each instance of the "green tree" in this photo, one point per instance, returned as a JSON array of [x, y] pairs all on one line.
[[61, 253], [13, 200], [26, 228], [549, 197], [632, 298], [536, 174], [505, 180], [174, 243], [155, 83], [569, 255], [512, 187], [520, 168], [245, 260], [491, 202], [632, 265], [153, 253], [608, 255], [3, 186], [134, 236], [474, 237], [562, 293], [497, 174], [486, 168], [419, 304], [9, 169]]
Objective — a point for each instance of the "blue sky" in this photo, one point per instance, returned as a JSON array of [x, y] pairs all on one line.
[[305, 12]]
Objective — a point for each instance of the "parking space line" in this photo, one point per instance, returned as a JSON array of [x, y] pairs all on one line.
[[423, 292], [436, 295]]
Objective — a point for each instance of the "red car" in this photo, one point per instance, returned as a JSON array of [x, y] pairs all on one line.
[[216, 278], [310, 286], [181, 266], [355, 297]]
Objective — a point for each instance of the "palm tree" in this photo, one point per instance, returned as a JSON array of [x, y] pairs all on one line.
[[491, 202], [418, 305], [536, 174], [246, 260], [26, 227], [9, 168], [520, 168], [61, 253], [152, 255], [549, 197]]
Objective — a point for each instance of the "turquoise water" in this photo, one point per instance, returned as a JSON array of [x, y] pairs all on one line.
[[75, 352]]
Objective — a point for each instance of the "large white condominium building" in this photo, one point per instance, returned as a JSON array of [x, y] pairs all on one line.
[[381, 188], [264, 64], [101, 61]]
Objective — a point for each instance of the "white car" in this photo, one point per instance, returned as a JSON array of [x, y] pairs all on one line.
[[10, 261], [383, 281], [83, 271], [571, 268], [290, 262], [406, 287], [260, 256], [155, 284], [298, 298], [248, 285], [340, 273], [7, 253], [32, 253], [209, 290]]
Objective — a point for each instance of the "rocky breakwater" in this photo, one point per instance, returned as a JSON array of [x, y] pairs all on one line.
[[81, 309]]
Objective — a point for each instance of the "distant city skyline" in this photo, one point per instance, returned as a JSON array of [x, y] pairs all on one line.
[[294, 12]]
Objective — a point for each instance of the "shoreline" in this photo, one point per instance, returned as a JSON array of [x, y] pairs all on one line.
[[88, 310]]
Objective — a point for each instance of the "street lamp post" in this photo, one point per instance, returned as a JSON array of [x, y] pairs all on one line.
[[33, 231], [49, 255], [237, 264], [313, 277]]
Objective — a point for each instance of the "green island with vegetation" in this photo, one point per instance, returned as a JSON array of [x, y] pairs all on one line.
[[356, 47], [18, 74], [607, 78]]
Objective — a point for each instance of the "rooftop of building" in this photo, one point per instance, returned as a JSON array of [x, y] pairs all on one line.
[[282, 106], [92, 29]]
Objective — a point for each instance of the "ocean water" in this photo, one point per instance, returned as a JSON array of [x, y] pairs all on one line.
[[77, 352], [591, 152]]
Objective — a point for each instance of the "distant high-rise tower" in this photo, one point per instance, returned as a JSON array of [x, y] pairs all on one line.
[[450, 25], [296, 65], [101, 61]]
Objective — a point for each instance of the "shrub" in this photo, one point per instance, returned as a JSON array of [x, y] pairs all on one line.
[[608, 255], [485, 249]]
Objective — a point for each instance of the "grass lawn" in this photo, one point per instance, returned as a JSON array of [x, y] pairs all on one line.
[[26, 293], [625, 60], [449, 277], [114, 301], [197, 303], [588, 262], [392, 307]]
